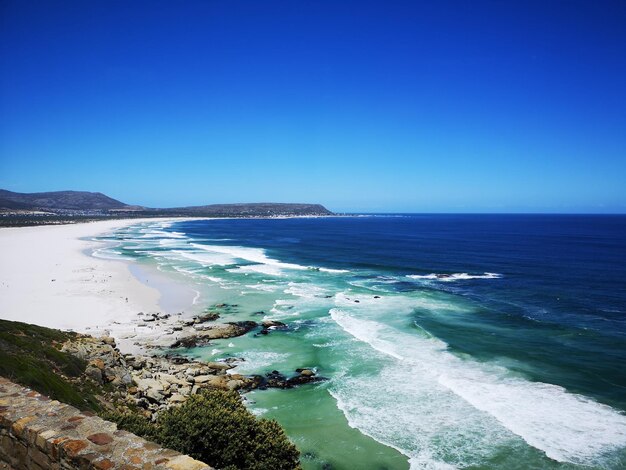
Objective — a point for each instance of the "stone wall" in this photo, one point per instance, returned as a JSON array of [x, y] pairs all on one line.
[[38, 433]]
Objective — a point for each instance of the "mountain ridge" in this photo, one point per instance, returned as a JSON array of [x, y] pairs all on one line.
[[86, 201]]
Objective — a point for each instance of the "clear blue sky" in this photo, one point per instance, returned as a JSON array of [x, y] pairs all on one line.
[[462, 106]]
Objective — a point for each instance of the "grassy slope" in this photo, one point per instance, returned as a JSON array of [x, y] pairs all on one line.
[[30, 356]]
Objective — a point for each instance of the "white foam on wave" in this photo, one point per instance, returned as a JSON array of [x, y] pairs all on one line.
[[334, 271], [200, 276], [207, 259], [264, 287], [305, 290], [454, 277], [258, 411], [307, 297], [258, 269], [170, 242], [263, 264], [567, 427], [151, 233], [254, 255], [284, 308]]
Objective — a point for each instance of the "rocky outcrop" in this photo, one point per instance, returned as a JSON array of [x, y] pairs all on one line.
[[224, 331], [105, 364], [155, 383], [152, 383]]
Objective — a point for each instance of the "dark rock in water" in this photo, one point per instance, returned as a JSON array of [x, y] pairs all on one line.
[[210, 316], [269, 325], [275, 379], [328, 296], [246, 325], [377, 296], [357, 301], [230, 360], [255, 381], [273, 323], [303, 379]]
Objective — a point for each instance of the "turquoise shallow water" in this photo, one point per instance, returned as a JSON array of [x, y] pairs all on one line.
[[447, 341]]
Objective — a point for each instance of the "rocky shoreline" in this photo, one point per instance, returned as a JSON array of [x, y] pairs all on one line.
[[152, 382]]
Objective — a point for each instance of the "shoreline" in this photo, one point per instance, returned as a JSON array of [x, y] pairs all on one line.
[[49, 278]]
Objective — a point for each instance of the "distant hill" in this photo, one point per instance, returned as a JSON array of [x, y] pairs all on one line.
[[258, 209], [71, 202]]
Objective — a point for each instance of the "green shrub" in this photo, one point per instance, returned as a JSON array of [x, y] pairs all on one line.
[[216, 428], [133, 422]]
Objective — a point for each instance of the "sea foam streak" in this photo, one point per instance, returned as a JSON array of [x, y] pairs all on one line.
[[264, 264], [565, 426]]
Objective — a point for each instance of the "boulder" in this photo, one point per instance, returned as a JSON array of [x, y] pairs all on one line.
[[201, 379], [177, 398], [210, 316], [154, 395], [94, 373], [234, 384], [147, 384], [99, 363]]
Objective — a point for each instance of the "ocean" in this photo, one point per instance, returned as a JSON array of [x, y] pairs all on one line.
[[448, 341]]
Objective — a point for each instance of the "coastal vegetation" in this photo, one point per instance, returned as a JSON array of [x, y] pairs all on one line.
[[30, 355], [213, 425]]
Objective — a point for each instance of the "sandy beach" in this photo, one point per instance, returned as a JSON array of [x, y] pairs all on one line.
[[48, 278]]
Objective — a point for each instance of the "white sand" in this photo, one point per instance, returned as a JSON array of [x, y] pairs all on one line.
[[46, 278]]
